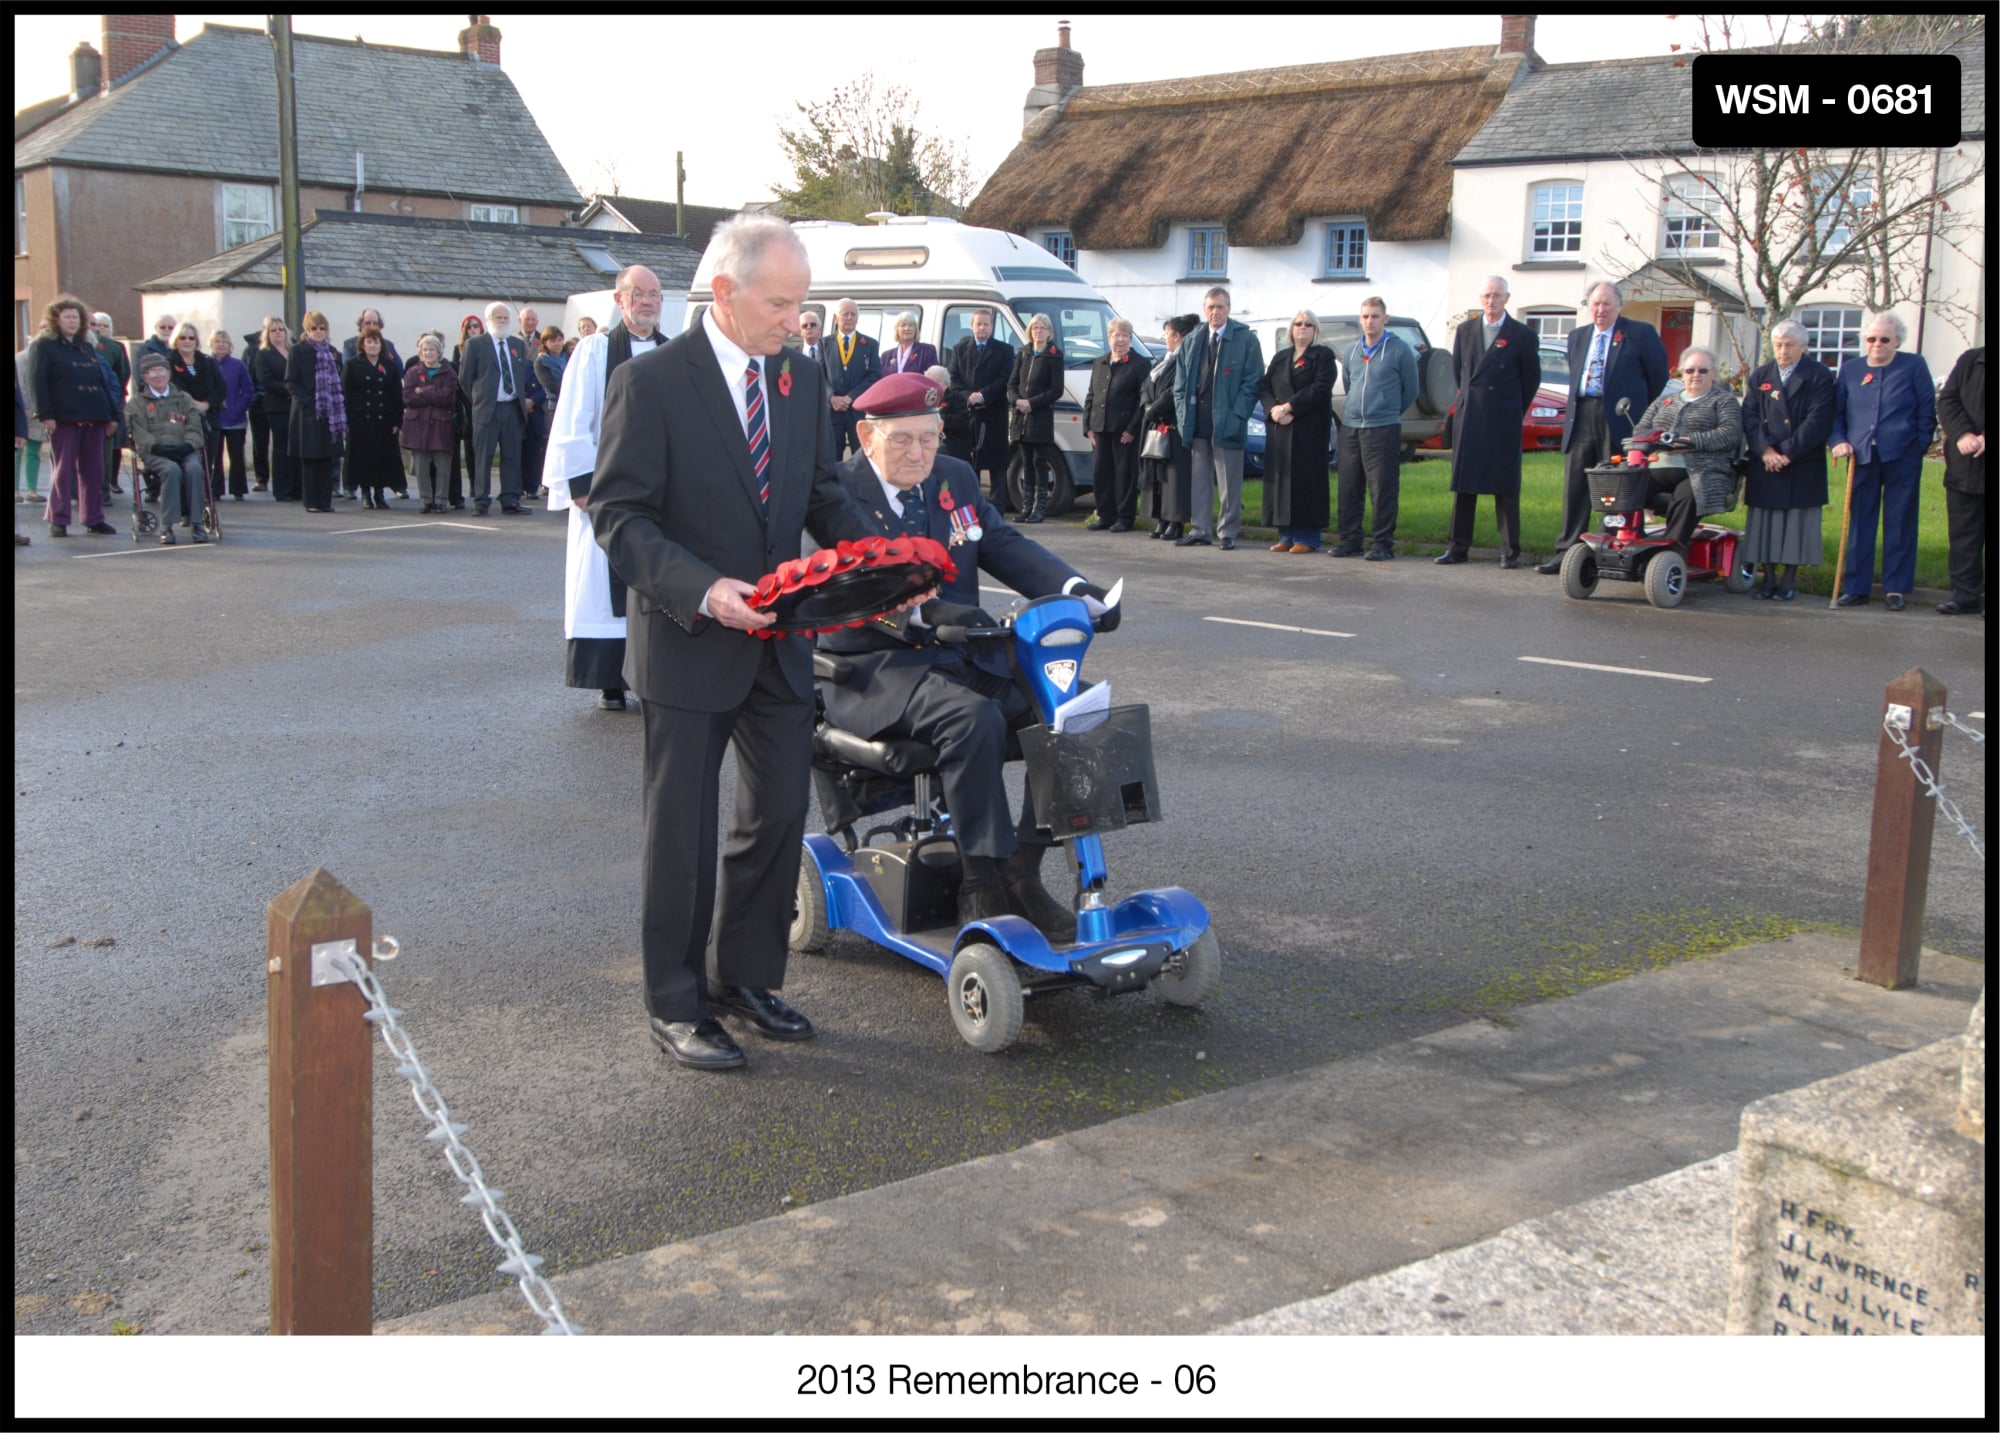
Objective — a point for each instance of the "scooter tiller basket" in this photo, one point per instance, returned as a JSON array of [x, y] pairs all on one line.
[[1086, 782]]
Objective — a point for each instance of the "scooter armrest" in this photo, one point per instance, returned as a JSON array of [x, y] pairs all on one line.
[[832, 667]]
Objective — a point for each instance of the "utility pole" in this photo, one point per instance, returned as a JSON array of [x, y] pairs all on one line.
[[680, 197], [288, 171]]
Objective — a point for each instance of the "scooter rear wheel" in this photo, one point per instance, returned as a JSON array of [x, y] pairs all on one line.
[[1192, 975], [987, 1005], [809, 931]]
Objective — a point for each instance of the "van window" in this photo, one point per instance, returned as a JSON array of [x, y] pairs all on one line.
[[1080, 326], [878, 322], [958, 326]]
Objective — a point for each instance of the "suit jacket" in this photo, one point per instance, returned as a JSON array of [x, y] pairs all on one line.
[[1887, 413], [479, 375], [849, 379], [1961, 406], [1635, 367], [1496, 384], [891, 655], [1112, 405], [922, 356], [1793, 419], [986, 374], [674, 506]]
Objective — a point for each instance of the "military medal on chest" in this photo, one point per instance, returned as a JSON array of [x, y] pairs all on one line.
[[964, 522]]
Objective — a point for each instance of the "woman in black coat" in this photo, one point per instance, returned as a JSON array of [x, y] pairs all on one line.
[[1111, 416], [274, 398], [1166, 480], [72, 399], [319, 410], [1036, 384], [196, 374], [469, 328], [373, 391], [1298, 424], [1787, 414]]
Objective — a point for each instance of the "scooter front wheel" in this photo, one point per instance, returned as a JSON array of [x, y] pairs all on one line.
[[809, 931], [1192, 975], [986, 1000]]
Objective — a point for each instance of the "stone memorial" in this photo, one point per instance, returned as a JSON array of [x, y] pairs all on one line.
[[1861, 1200]]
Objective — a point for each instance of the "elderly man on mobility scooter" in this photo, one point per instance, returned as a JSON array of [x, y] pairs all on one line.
[[959, 698]]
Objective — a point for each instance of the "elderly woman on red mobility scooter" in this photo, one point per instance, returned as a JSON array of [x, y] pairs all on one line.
[[1708, 419]]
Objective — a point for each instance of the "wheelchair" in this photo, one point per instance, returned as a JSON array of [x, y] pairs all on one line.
[[152, 524]]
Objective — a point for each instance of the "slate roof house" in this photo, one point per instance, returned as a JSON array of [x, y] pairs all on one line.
[[421, 273], [1311, 185], [1588, 171], [621, 212], [165, 153]]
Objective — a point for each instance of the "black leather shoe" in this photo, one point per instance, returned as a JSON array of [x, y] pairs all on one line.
[[1894, 602], [1193, 539], [1785, 594], [167, 538], [765, 1011], [978, 903], [1379, 554], [102, 529], [1448, 558], [1228, 544], [1159, 530], [1510, 561], [1956, 608], [701, 1044], [1097, 524], [1033, 901], [1121, 527], [516, 511], [57, 529], [1851, 599], [1345, 549], [1551, 567], [611, 701]]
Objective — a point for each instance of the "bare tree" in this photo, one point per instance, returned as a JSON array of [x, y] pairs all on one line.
[[1860, 225], [857, 153]]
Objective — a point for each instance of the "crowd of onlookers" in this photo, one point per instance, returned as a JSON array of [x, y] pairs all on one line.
[[293, 416]]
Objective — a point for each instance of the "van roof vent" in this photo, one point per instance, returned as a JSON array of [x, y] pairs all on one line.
[[909, 256]]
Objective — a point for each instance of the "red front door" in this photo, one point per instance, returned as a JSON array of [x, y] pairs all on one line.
[[1676, 332]]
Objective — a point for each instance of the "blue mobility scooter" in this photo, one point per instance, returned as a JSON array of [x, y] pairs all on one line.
[[898, 885]]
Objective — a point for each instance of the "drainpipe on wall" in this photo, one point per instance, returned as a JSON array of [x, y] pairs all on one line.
[[1930, 237]]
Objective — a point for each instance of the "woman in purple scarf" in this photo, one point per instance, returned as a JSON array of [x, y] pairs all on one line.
[[319, 413]]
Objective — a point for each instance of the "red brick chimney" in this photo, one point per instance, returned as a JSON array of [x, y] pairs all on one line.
[[1060, 67], [480, 40], [131, 40], [1517, 34]]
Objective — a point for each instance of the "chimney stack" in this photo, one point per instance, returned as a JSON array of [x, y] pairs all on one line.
[[1517, 35], [480, 40], [1058, 73], [131, 40], [86, 72]]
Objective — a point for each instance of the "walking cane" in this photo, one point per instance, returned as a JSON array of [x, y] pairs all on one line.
[[1846, 515]]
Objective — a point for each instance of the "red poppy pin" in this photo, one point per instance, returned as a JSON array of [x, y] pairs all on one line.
[[1866, 379], [1499, 343], [785, 378], [1617, 338], [1764, 387]]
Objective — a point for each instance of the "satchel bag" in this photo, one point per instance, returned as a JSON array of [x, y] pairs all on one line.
[[173, 452], [1158, 445], [1014, 416]]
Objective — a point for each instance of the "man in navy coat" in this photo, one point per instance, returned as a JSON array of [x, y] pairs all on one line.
[[1609, 358], [851, 362], [907, 684]]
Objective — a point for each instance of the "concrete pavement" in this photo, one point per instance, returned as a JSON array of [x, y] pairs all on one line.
[[1564, 1169]]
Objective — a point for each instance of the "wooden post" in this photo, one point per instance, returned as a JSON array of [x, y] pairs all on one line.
[[1899, 837], [322, 1117]]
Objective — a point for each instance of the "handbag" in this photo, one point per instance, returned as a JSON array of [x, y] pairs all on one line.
[[1158, 446]]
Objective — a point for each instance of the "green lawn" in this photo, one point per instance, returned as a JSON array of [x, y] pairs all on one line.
[[1425, 515]]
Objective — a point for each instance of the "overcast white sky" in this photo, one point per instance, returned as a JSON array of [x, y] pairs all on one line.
[[619, 95]]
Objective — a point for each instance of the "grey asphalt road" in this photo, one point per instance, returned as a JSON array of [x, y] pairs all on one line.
[[1395, 819]]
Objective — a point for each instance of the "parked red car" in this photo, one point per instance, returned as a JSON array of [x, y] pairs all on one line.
[[1542, 424]]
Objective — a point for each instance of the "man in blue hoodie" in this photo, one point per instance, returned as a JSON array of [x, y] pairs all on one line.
[[1381, 382]]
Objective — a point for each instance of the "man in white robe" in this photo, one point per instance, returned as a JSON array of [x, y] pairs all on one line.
[[593, 596]]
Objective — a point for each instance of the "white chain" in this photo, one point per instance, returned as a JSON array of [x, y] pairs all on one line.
[[1932, 786], [1978, 737], [519, 1262]]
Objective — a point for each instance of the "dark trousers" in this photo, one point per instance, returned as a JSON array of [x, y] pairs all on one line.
[[845, 439], [1371, 461], [1506, 516], [284, 471], [461, 466], [534, 448], [1887, 490], [1678, 490], [1965, 522], [966, 713], [1589, 446], [958, 446], [1114, 472], [1038, 472], [316, 481], [772, 733], [114, 454], [505, 431], [229, 441], [990, 455], [260, 443]]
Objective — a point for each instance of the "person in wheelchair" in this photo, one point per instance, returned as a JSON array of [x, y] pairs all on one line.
[[167, 441], [1709, 418], [960, 698]]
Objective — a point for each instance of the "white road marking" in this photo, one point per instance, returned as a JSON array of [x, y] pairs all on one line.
[[1621, 671], [183, 545], [404, 526], [1277, 627]]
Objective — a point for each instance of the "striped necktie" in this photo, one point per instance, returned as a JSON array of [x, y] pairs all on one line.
[[756, 422]]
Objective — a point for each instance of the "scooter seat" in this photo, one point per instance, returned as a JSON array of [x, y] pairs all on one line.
[[887, 757]]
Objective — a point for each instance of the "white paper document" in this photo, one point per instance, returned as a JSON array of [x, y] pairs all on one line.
[[1084, 710]]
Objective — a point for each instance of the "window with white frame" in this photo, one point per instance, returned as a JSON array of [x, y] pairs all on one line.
[[249, 211], [1551, 329], [1346, 250], [1838, 210], [1688, 207], [1059, 243], [1833, 332], [1208, 255], [493, 213], [1555, 221]]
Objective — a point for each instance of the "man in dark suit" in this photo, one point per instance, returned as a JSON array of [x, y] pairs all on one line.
[[1496, 362], [908, 685], [1961, 410], [494, 372], [1609, 358], [852, 362], [716, 453], [980, 366]]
